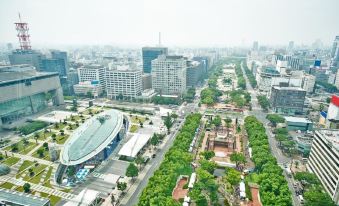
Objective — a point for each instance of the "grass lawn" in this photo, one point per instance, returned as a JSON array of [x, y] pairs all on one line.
[[43, 135], [45, 156], [66, 190], [36, 170], [61, 139], [47, 182], [137, 119], [22, 148], [36, 178], [11, 161], [54, 199], [75, 118], [25, 165], [61, 126], [7, 185], [134, 128]]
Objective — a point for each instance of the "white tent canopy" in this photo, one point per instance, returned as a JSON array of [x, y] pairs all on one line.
[[134, 145]]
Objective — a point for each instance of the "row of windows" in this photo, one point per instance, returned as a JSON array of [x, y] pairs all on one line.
[[322, 177], [317, 154]]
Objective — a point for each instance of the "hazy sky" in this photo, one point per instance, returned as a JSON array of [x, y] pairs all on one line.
[[182, 22]]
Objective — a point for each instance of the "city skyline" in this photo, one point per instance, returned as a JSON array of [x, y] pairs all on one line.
[[188, 23]]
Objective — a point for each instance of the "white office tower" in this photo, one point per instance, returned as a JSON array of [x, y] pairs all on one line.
[[90, 73], [123, 82], [323, 161], [308, 83], [169, 75]]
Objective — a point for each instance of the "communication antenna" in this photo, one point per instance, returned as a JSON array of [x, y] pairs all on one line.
[[23, 36]]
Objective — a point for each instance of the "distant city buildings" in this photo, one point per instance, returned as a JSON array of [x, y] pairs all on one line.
[[23, 91], [290, 46], [255, 46], [169, 75], [323, 161], [149, 54], [335, 52], [123, 82]]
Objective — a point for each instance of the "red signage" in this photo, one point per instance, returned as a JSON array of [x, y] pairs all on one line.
[[335, 100]]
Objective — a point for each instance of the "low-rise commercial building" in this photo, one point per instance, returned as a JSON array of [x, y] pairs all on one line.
[[298, 123], [23, 91], [324, 160], [88, 88], [287, 100]]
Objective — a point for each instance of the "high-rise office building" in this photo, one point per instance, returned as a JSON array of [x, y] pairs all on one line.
[[54, 65], [194, 73], [149, 54], [169, 75], [92, 72], [23, 91], [308, 83], [56, 54], [323, 161], [123, 82], [335, 52]]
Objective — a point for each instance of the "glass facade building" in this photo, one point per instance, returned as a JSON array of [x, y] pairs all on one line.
[[149, 54], [15, 109]]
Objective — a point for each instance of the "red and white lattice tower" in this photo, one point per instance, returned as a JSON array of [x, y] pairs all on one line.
[[22, 29]]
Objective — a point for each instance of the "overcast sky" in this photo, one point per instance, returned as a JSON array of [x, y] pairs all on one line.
[[181, 22]]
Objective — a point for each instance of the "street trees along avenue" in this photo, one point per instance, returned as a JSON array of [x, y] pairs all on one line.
[[273, 186]]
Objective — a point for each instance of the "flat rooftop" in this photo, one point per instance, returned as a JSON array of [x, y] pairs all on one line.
[[332, 136], [91, 137], [297, 119], [19, 198], [21, 72], [288, 88]]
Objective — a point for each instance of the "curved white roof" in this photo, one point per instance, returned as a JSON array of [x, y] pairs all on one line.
[[91, 137]]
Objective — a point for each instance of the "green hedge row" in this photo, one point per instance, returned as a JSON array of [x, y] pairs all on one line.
[[177, 161]]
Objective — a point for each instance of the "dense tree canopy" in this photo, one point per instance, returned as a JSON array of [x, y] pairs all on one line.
[[275, 119], [263, 101], [177, 161], [273, 186], [250, 76]]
